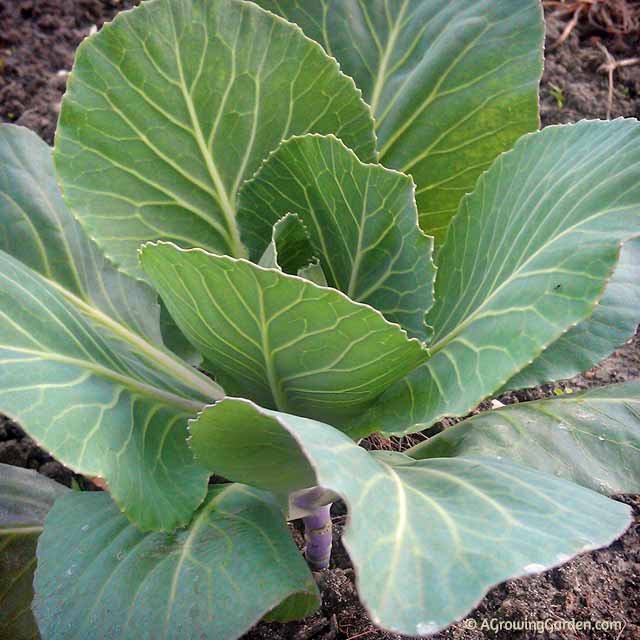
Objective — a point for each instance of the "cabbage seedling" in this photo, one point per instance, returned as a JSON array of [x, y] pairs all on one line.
[[345, 217]]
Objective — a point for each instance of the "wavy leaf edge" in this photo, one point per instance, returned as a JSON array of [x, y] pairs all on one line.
[[420, 426], [393, 325], [124, 15], [423, 628]]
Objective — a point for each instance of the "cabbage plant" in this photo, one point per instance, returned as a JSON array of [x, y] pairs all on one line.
[[266, 231]]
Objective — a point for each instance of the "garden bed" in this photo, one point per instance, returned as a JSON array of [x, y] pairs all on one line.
[[37, 43]]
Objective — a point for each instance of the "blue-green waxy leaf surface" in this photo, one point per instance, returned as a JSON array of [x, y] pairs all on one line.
[[592, 438], [451, 83], [361, 219], [527, 257], [99, 399], [278, 339], [99, 577], [427, 538], [25, 499], [173, 105], [37, 228], [82, 366], [613, 322]]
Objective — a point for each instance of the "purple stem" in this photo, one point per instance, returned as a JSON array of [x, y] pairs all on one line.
[[319, 537], [318, 534]]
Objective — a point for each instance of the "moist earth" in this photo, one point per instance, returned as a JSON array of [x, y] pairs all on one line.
[[38, 39]]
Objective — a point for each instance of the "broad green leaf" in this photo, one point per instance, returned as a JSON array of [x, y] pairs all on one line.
[[591, 438], [80, 369], [614, 321], [451, 83], [527, 257], [427, 538], [40, 231], [290, 248], [100, 399], [173, 105], [37, 228], [270, 458], [362, 221], [100, 577], [25, 499], [278, 339]]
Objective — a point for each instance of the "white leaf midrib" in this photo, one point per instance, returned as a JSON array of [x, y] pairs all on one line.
[[183, 372], [384, 63], [226, 205], [104, 372]]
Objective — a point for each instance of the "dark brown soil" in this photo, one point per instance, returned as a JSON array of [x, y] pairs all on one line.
[[37, 42], [574, 86], [38, 39]]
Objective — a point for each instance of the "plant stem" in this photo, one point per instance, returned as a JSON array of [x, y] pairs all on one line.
[[317, 524], [319, 537]]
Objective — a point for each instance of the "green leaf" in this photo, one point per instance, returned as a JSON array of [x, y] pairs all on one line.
[[100, 399], [314, 273], [82, 366], [101, 577], [614, 321], [270, 458], [290, 248], [278, 339], [173, 105], [38, 229], [451, 83], [427, 538], [25, 499], [175, 341], [291, 251], [591, 438], [362, 221], [527, 257]]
